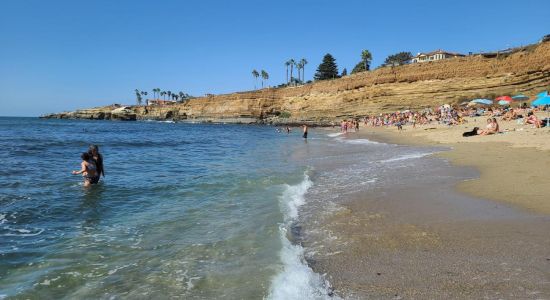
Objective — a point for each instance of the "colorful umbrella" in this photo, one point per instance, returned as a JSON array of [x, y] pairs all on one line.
[[543, 94], [541, 101], [520, 97], [503, 102], [482, 101], [504, 98]]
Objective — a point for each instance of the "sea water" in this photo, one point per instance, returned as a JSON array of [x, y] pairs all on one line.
[[195, 211]]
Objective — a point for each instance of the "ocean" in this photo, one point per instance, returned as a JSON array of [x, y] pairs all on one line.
[[194, 211]]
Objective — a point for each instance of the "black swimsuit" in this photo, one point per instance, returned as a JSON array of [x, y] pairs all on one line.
[[92, 179]]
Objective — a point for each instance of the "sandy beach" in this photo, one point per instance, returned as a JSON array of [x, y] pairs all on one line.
[[481, 238]]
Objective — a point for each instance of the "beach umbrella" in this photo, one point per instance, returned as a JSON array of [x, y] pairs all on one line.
[[504, 98], [503, 102], [482, 101], [541, 101], [543, 94], [520, 97]]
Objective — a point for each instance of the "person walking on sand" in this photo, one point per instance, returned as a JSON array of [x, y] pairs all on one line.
[[305, 131], [88, 170], [93, 150]]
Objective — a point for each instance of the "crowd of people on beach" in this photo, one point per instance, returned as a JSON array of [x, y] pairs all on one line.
[[449, 115]]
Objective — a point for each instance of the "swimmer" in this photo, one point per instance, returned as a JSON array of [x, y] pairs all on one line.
[[88, 170], [93, 150]]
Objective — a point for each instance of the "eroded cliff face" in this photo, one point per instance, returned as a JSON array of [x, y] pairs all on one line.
[[386, 89]]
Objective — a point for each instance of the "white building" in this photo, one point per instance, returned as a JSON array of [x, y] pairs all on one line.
[[435, 55]]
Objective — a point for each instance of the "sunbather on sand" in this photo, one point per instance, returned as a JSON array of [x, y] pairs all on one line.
[[492, 127], [510, 115], [532, 119]]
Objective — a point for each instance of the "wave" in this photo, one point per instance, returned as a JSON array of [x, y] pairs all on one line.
[[406, 156], [358, 141], [20, 232], [296, 280], [335, 134]]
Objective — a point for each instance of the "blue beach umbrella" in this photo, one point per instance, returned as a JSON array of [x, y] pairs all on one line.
[[482, 101], [503, 103], [543, 94], [520, 97], [541, 101]]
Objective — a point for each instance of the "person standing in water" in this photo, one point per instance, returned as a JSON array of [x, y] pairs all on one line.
[[305, 132], [88, 170], [93, 151]]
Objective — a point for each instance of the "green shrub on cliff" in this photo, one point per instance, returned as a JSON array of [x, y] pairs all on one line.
[[284, 115]]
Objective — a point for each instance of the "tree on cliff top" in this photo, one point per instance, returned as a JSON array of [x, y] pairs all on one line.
[[364, 64], [327, 69], [256, 75], [398, 59], [265, 76], [138, 97]]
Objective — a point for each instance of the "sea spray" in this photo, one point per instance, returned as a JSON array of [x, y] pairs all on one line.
[[296, 280]]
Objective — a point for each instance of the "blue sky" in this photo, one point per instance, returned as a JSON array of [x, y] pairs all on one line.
[[62, 55]]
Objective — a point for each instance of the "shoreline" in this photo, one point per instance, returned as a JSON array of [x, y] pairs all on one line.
[[512, 170], [485, 237]]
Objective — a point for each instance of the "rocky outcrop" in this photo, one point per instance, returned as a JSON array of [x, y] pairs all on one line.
[[386, 89]]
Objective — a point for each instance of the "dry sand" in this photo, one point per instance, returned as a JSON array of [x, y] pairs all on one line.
[[488, 238]]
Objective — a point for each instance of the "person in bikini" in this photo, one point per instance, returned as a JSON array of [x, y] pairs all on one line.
[[88, 170], [492, 127], [532, 119], [93, 151]]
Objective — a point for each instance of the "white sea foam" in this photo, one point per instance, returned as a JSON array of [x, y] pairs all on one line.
[[406, 156], [2, 218], [296, 280], [22, 232], [358, 141], [293, 198], [335, 134]]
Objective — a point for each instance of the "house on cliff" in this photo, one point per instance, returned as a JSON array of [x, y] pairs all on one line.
[[434, 56]]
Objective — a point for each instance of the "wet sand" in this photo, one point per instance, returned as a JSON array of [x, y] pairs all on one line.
[[487, 238]]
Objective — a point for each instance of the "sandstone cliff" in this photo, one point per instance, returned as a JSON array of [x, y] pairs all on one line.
[[386, 89]]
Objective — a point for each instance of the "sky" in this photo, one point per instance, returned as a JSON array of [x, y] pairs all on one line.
[[61, 55]]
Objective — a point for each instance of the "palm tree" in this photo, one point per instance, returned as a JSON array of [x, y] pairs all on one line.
[[156, 93], [256, 75], [303, 62], [175, 96], [265, 76], [292, 62], [169, 94], [181, 94], [287, 64], [163, 93], [367, 57], [144, 93], [138, 96]]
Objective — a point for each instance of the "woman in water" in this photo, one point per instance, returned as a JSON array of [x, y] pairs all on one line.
[[88, 170], [93, 150]]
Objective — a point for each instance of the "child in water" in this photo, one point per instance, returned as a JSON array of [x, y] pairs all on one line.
[[88, 170]]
